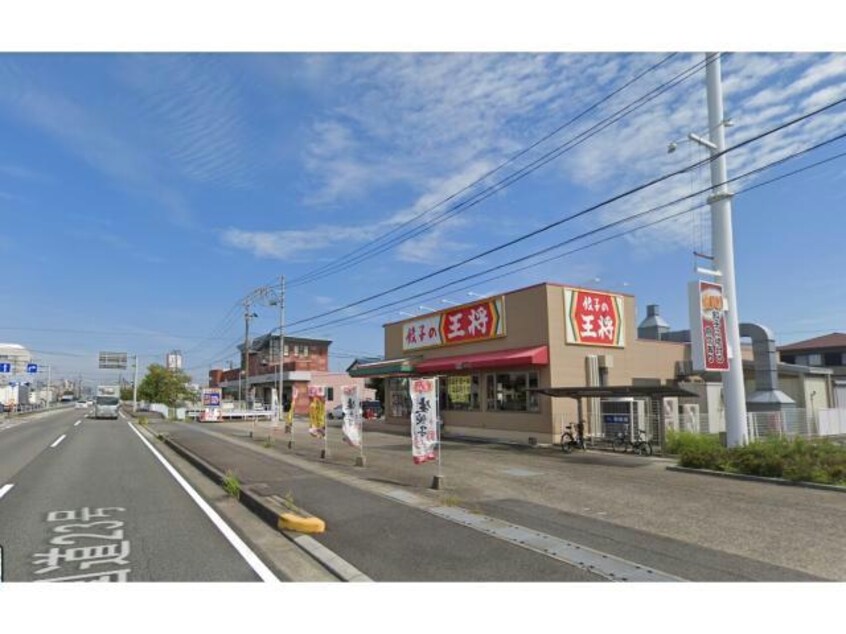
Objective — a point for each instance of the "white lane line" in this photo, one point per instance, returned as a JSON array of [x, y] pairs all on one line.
[[77, 422], [5, 489], [237, 543], [58, 440]]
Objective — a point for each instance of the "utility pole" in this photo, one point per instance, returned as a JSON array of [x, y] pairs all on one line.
[[722, 242], [135, 387], [247, 316], [280, 414]]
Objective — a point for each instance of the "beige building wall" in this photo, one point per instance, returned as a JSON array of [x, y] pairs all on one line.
[[535, 316]]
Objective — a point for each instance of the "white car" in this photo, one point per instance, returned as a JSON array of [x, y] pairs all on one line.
[[79, 404], [337, 413]]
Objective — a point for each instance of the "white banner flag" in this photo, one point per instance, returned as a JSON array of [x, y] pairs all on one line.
[[424, 419], [352, 417]]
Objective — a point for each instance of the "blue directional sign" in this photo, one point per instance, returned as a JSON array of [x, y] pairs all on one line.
[[32, 368], [5, 367]]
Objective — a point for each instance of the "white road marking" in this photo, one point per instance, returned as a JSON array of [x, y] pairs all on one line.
[[77, 422], [58, 440], [5, 489], [237, 543]]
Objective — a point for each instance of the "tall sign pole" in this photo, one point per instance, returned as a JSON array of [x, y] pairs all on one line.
[[722, 242]]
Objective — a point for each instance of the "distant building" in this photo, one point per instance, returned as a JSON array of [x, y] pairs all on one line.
[[173, 360], [827, 351], [305, 363]]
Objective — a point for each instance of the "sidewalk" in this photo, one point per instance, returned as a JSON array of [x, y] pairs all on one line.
[[604, 500]]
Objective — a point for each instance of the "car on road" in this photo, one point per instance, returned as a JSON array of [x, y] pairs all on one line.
[[372, 409], [79, 404]]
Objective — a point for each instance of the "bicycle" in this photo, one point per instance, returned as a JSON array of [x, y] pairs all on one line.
[[641, 446], [569, 441]]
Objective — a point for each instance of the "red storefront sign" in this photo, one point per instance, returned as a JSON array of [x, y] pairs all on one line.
[[709, 340], [594, 318], [463, 324]]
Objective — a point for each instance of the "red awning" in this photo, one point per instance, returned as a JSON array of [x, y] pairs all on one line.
[[538, 355]]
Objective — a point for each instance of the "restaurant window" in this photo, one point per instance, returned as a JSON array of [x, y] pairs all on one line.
[[399, 400], [459, 393], [509, 392]]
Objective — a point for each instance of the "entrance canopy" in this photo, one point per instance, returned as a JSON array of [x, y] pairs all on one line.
[[388, 367], [515, 357], [616, 391]]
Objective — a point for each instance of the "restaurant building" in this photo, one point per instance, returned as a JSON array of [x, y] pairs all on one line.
[[494, 354]]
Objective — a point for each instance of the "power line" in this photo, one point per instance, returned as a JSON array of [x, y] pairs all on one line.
[[745, 175], [344, 259], [517, 175], [578, 214]]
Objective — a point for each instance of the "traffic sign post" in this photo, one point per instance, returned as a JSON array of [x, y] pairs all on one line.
[[31, 368], [5, 368]]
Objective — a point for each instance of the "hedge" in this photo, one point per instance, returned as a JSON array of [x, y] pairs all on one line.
[[802, 460]]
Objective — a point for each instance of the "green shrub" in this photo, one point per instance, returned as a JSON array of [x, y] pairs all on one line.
[[764, 458], [800, 460], [231, 484], [679, 441]]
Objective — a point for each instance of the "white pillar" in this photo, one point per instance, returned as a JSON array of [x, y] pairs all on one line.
[[723, 251]]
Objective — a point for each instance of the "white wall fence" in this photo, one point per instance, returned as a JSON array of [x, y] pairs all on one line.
[[797, 422], [789, 423]]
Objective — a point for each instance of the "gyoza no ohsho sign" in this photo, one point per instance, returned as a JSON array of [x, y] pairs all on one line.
[[594, 318], [708, 337], [424, 419]]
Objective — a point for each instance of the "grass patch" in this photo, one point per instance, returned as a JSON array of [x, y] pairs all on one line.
[[450, 500], [231, 484], [800, 460]]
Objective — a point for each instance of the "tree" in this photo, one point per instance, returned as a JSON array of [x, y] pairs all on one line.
[[161, 385]]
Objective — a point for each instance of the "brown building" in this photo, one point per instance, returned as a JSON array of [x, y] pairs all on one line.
[[492, 354], [303, 358]]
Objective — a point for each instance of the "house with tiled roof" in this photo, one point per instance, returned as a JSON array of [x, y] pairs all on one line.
[[827, 351]]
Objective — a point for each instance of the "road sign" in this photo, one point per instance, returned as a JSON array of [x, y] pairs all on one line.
[[113, 361], [31, 368], [5, 367]]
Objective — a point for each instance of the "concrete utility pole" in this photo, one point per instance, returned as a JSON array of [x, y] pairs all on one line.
[[248, 314], [723, 245], [280, 410], [135, 387]]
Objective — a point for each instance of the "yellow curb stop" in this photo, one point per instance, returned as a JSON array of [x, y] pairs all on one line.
[[291, 522]]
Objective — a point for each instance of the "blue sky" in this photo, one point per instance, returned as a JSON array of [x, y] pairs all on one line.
[[142, 195]]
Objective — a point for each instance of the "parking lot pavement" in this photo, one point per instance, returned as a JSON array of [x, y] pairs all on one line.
[[791, 529]]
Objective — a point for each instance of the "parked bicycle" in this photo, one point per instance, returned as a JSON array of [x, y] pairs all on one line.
[[623, 442], [571, 439]]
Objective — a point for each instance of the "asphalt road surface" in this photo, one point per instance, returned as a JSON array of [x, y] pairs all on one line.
[[89, 500]]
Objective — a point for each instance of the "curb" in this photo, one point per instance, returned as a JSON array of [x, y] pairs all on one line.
[[290, 524], [754, 478], [295, 521]]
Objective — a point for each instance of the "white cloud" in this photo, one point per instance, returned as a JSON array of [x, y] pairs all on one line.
[[292, 245]]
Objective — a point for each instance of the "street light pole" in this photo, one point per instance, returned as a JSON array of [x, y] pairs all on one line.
[[722, 242]]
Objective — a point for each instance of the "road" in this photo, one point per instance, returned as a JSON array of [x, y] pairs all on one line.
[[88, 500], [502, 501]]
